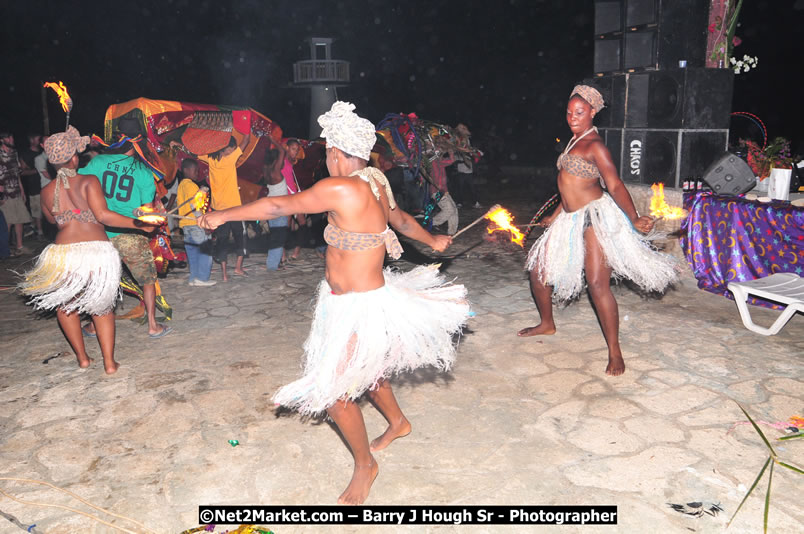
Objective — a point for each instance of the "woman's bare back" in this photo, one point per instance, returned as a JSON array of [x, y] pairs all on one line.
[[350, 270]]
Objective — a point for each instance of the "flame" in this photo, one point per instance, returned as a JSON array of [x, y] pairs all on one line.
[[154, 219], [660, 209], [558, 140], [146, 213], [200, 201], [503, 222], [64, 97]]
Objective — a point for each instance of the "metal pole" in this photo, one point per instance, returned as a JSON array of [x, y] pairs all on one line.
[[45, 116]]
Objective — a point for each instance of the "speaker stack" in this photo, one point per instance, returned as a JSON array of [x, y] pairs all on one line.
[[663, 122]]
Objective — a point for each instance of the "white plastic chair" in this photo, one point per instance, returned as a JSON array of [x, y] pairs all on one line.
[[785, 288]]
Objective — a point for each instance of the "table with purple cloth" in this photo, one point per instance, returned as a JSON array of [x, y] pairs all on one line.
[[731, 238]]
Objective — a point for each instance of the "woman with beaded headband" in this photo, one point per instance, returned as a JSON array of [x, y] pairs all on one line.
[[80, 272], [369, 323], [593, 232]]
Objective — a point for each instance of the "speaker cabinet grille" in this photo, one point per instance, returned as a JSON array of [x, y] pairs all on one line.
[[640, 12], [699, 150], [640, 50], [608, 17], [729, 175], [664, 100], [608, 55], [612, 87], [669, 156]]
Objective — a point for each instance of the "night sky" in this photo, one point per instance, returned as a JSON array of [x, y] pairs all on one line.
[[507, 64]]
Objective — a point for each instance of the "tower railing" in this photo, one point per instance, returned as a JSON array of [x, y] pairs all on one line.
[[321, 70]]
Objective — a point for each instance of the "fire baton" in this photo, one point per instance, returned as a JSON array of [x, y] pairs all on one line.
[[462, 230], [203, 189]]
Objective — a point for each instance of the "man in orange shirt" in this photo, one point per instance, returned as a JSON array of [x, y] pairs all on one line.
[[226, 194]]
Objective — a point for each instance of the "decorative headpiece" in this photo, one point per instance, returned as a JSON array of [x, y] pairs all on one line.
[[61, 147], [591, 95], [345, 130]]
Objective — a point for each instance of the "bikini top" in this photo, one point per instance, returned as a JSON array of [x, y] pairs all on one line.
[[85, 216], [578, 166], [75, 214], [343, 240]]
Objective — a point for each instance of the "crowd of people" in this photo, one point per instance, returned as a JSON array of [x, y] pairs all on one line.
[[369, 323], [25, 172]]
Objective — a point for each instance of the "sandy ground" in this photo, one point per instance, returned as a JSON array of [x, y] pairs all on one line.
[[518, 421]]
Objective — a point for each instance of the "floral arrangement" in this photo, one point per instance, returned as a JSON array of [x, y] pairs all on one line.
[[743, 65], [775, 155], [721, 42]]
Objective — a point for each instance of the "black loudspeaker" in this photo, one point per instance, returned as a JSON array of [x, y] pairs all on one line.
[[608, 54], [641, 12], [660, 33], [680, 99], [608, 16], [634, 35], [613, 138], [612, 87], [730, 175], [669, 156], [673, 99]]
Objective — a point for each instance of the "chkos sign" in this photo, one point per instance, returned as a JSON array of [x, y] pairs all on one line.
[[635, 154]]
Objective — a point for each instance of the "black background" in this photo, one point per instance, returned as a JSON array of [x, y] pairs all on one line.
[[507, 64]]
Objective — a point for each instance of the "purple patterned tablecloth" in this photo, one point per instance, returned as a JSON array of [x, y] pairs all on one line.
[[731, 238]]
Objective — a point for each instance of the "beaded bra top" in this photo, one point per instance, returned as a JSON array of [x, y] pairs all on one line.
[[343, 240], [576, 165], [75, 214]]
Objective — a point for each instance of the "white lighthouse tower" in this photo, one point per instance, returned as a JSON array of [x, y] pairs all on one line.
[[322, 75]]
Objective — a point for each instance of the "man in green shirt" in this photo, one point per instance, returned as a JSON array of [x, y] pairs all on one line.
[[128, 184]]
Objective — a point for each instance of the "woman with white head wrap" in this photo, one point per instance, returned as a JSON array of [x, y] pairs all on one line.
[[80, 272], [369, 323], [593, 234]]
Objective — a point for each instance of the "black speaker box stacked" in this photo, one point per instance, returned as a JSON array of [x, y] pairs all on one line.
[[633, 35], [662, 123]]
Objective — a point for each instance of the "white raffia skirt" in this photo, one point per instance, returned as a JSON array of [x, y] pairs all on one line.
[[82, 277], [358, 339], [558, 255]]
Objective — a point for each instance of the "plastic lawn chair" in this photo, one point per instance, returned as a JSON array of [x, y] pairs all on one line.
[[785, 288]]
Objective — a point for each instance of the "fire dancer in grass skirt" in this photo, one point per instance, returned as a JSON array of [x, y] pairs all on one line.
[[593, 232], [369, 323], [80, 272]]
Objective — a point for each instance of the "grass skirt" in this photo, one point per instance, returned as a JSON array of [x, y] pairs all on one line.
[[357, 339], [559, 253], [82, 277]]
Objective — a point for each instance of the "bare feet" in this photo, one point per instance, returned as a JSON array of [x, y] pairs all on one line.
[[83, 363], [397, 430], [539, 330], [358, 489], [616, 365], [111, 369]]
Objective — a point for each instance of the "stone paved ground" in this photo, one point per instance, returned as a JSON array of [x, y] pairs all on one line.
[[518, 421]]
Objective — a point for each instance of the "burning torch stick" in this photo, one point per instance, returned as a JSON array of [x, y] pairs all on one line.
[[502, 221], [64, 99], [150, 216], [462, 230], [659, 209], [199, 198]]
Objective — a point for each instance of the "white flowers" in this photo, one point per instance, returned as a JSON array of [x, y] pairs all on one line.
[[745, 64]]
